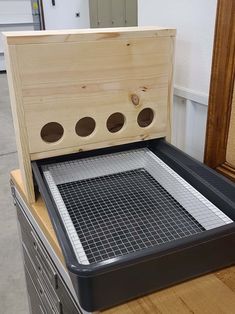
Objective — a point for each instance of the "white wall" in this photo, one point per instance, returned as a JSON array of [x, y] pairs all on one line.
[[14, 15], [194, 21], [63, 14]]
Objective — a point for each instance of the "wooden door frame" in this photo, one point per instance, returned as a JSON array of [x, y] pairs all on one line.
[[221, 89]]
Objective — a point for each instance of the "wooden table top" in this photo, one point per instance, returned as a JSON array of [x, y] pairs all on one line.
[[213, 293]]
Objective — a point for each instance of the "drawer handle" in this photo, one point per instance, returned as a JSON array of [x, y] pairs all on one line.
[[41, 290], [44, 296], [39, 266], [52, 273], [35, 245], [35, 241], [44, 274]]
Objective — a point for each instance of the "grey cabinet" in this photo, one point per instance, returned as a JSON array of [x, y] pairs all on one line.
[[113, 13], [47, 290]]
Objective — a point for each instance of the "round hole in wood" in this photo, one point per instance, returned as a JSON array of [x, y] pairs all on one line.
[[52, 132], [115, 122], [145, 117], [85, 126]]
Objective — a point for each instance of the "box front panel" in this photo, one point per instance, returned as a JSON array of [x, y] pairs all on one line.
[[84, 95]]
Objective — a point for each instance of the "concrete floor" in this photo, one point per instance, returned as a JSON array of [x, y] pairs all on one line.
[[13, 297]]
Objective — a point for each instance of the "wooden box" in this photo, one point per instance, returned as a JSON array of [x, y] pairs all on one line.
[[84, 89]]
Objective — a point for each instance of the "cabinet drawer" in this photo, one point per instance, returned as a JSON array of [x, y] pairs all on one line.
[[44, 259], [44, 297], [44, 266], [40, 269], [36, 304], [37, 251], [49, 300]]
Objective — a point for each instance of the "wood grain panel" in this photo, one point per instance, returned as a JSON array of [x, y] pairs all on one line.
[[84, 35], [230, 153], [102, 82], [64, 76], [207, 294], [40, 213], [22, 142], [221, 90]]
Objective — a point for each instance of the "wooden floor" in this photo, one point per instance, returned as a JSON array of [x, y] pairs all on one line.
[[212, 294]]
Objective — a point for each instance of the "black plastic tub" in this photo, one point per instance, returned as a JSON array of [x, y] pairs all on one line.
[[106, 283]]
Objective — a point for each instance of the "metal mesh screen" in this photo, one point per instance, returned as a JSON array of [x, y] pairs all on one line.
[[116, 204], [125, 212]]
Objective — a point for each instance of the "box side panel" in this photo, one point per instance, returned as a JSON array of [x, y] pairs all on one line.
[[19, 119]]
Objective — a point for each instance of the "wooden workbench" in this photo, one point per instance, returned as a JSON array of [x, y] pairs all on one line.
[[213, 293]]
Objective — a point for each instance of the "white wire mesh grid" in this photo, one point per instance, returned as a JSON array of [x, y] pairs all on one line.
[[202, 210], [125, 212]]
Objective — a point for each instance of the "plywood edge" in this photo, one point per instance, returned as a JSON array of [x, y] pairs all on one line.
[[76, 35], [39, 212], [18, 121]]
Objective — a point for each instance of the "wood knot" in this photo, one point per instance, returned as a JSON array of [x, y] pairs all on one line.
[[135, 99]]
